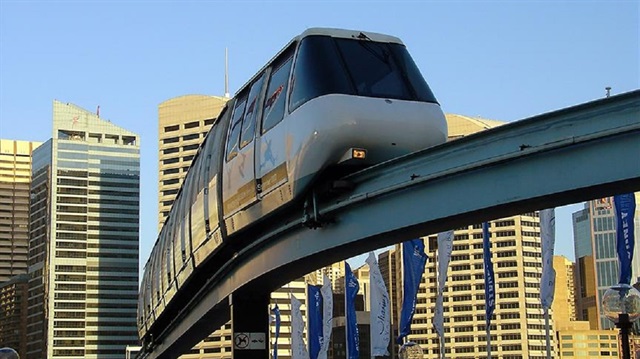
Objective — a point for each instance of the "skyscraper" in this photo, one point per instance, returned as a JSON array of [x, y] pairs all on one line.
[[575, 338], [564, 297], [15, 178], [594, 231], [13, 313], [182, 124], [84, 238]]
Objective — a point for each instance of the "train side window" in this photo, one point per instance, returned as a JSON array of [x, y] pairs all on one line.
[[234, 129], [273, 111], [249, 122]]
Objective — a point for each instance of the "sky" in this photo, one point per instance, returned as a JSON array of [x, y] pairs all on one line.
[[501, 60]]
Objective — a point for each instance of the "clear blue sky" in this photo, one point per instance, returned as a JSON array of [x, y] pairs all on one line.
[[496, 59]]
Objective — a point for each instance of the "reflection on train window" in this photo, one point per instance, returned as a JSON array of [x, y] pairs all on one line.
[[274, 102], [234, 130], [249, 122], [318, 71], [326, 65], [373, 69]]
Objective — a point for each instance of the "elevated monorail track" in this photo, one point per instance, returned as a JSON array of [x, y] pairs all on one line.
[[579, 153]]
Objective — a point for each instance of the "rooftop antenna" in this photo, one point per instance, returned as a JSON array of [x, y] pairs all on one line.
[[226, 73], [98, 111], [608, 88]]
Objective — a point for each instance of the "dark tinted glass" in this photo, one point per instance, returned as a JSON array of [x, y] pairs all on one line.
[[234, 132], [274, 101], [249, 122], [357, 67], [408, 67], [318, 71], [373, 70]]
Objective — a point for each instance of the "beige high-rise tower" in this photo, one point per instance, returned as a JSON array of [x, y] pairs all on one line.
[[15, 178], [182, 124], [564, 297]]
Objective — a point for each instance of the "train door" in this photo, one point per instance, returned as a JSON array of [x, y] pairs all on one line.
[[240, 188], [274, 142]]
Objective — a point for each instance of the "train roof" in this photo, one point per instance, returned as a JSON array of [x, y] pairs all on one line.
[[349, 34]]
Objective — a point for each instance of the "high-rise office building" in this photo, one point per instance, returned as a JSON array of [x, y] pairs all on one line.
[[182, 124], [15, 179], [84, 238], [564, 295], [576, 338], [517, 326], [13, 313], [594, 231], [582, 342], [334, 272]]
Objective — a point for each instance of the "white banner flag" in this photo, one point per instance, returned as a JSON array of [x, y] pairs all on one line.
[[298, 346], [445, 246], [327, 316], [380, 310], [548, 236]]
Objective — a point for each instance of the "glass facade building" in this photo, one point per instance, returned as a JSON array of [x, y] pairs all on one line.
[[594, 230], [84, 239]]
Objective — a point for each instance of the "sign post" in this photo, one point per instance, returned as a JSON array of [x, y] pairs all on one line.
[[250, 332]]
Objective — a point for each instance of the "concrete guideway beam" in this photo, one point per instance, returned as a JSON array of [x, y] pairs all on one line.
[[575, 154]]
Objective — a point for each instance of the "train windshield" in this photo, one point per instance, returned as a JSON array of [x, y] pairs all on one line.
[[326, 65]]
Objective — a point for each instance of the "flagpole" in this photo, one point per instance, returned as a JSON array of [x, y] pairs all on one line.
[[438, 274], [346, 312], [488, 337], [546, 324]]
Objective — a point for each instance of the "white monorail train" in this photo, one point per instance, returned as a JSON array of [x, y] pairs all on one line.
[[328, 99]]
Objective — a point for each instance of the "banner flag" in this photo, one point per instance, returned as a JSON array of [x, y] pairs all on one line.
[[413, 261], [489, 280], [327, 316], [276, 314], [353, 336], [314, 317], [298, 347], [548, 236], [625, 205], [445, 246], [380, 326]]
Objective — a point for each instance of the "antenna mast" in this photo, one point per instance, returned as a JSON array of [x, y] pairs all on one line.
[[226, 73]]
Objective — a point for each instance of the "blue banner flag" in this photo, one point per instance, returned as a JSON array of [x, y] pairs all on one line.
[[625, 209], [353, 337], [489, 280], [314, 315], [413, 261], [276, 313]]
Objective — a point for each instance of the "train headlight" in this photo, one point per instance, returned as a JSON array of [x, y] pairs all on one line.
[[358, 153]]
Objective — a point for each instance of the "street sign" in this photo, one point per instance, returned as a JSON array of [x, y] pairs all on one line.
[[249, 341]]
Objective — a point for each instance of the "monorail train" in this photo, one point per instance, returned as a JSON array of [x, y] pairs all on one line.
[[331, 98]]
